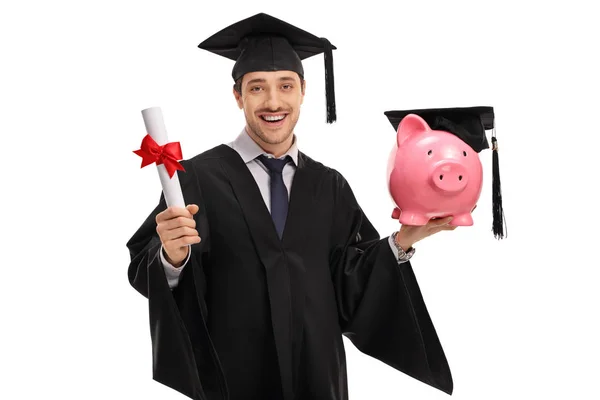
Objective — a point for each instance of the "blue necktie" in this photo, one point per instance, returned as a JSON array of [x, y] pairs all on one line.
[[279, 193]]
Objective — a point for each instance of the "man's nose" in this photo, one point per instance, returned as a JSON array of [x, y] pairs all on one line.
[[273, 100]]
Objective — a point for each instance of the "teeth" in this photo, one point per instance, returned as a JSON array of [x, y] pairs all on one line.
[[273, 117]]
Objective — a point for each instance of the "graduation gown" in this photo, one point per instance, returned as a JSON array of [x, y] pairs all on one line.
[[256, 317]]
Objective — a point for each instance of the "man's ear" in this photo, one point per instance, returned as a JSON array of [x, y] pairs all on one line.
[[238, 98], [303, 91]]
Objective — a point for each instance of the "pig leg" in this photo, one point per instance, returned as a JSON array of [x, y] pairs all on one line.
[[462, 220], [396, 213], [412, 218]]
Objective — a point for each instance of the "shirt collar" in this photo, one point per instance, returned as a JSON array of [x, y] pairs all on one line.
[[248, 149]]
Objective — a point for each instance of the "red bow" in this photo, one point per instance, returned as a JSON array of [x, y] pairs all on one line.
[[167, 154]]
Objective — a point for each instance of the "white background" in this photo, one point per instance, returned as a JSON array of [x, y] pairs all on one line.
[[518, 318]]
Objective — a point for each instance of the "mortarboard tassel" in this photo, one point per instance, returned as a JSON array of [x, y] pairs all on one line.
[[498, 213], [329, 86]]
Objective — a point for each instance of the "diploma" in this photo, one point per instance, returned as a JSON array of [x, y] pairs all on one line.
[[156, 148]]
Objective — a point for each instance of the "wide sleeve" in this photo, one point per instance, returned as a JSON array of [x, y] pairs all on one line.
[[381, 308], [183, 355]]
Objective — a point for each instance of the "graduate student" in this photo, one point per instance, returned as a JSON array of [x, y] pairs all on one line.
[[252, 286]]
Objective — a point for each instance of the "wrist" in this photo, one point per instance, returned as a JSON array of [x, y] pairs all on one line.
[[168, 259], [404, 248], [402, 242]]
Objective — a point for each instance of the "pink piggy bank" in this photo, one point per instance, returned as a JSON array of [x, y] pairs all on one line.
[[432, 174]]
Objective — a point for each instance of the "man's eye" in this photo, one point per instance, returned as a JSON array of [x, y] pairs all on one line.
[[287, 86], [255, 88]]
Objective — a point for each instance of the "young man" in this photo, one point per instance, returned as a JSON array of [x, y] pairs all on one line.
[[253, 284]]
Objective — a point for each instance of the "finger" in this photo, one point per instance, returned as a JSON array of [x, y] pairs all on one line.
[[182, 242], [441, 228], [193, 208], [448, 227], [436, 222], [173, 212], [175, 223], [173, 234]]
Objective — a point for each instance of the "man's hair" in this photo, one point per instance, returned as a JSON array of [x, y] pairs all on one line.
[[237, 86]]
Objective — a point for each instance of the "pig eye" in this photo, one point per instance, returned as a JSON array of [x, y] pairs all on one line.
[[429, 152], [464, 153]]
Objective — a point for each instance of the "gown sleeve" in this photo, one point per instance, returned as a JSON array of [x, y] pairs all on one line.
[[380, 306], [183, 355]]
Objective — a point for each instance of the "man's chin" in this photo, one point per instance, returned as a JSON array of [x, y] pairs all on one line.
[[272, 136], [273, 140]]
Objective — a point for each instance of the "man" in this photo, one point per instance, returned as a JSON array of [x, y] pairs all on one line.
[[249, 296]]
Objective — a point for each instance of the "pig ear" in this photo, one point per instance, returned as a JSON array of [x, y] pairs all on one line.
[[410, 125]]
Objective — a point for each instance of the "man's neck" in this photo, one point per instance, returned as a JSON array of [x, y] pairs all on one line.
[[277, 150]]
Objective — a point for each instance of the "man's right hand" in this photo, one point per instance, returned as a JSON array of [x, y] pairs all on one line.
[[176, 230]]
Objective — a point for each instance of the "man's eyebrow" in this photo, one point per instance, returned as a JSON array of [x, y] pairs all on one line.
[[260, 80], [257, 80]]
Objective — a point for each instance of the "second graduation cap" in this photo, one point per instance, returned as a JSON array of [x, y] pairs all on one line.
[[265, 43], [469, 124]]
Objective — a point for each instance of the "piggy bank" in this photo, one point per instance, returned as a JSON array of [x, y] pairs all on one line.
[[432, 174]]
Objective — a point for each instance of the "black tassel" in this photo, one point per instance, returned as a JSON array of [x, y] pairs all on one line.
[[499, 222], [329, 86]]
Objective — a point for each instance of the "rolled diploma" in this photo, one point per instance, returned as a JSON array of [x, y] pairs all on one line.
[[155, 126]]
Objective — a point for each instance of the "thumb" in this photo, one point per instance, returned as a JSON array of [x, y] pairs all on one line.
[[192, 208], [441, 221]]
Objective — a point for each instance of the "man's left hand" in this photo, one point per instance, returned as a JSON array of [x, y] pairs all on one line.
[[411, 234]]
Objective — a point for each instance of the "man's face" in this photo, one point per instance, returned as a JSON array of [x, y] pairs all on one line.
[[271, 102]]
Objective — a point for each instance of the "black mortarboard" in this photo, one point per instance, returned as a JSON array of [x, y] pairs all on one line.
[[265, 43], [470, 125]]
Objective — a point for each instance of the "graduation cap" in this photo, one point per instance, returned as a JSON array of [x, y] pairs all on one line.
[[469, 124], [265, 43]]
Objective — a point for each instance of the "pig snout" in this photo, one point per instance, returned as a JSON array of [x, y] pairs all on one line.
[[449, 176]]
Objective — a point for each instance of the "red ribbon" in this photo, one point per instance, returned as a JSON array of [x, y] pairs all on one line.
[[167, 154]]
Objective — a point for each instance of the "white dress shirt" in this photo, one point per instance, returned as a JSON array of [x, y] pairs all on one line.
[[249, 151]]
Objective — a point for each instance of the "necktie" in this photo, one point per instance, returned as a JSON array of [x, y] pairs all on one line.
[[279, 193]]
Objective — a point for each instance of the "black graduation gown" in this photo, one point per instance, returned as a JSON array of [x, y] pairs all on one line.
[[256, 317]]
